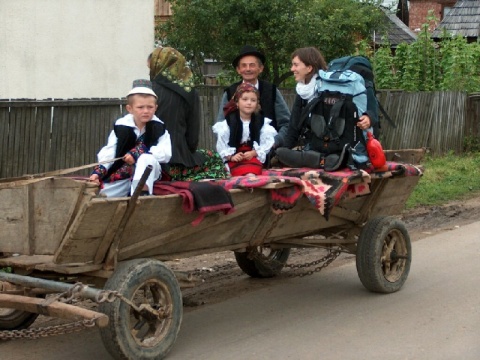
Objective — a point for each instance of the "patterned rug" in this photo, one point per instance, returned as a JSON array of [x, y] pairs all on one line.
[[323, 189]]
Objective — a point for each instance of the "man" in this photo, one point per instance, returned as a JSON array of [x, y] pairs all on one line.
[[249, 65]]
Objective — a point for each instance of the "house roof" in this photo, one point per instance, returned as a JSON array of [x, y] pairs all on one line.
[[463, 19], [397, 32]]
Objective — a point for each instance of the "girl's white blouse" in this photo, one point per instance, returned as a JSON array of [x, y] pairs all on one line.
[[267, 138]]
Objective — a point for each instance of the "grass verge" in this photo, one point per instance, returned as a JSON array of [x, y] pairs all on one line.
[[446, 178]]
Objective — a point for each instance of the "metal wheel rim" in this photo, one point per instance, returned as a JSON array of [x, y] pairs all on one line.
[[268, 253], [6, 312], [157, 295], [394, 245]]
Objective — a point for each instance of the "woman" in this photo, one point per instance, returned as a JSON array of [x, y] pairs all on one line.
[[306, 62], [179, 109]]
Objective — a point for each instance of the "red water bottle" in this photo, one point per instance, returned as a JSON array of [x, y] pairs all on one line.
[[375, 151]]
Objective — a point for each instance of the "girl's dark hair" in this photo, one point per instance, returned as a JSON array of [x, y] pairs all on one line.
[[311, 56]]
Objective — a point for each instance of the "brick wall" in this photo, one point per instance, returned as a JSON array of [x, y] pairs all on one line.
[[418, 11]]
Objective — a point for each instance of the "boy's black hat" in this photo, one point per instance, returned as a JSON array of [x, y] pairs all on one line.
[[248, 50]]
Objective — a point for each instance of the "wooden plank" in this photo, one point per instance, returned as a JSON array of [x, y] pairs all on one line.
[[14, 236], [110, 233], [70, 269], [25, 261], [39, 210], [55, 309], [408, 156], [81, 242], [61, 103], [4, 136], [55, 203], [44, 117], [214, 229]]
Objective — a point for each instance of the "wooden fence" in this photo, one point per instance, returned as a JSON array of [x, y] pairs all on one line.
[[39, 136]]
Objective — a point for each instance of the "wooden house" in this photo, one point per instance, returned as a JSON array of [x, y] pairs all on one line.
[[463, 19], [162, 10], [396, 32]]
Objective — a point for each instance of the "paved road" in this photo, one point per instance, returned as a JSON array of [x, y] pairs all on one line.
[[327, 316]]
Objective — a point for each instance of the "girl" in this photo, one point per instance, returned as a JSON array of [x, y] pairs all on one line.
[[245, 137]]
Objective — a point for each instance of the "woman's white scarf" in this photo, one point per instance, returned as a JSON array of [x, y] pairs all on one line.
[[307, 91]]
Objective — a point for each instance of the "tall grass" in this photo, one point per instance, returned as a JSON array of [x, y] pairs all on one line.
[[446, 178]]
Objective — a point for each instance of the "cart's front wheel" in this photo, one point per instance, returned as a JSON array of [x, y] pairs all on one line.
[[384, 255], [11, 319], [148, 329], [262, 262]]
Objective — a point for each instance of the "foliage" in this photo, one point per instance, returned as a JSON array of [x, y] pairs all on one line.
[[217, 29], [471, 144], [446, 178], [452, 64]]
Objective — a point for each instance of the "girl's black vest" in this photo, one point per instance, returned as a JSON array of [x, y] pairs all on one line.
[[236, 128]]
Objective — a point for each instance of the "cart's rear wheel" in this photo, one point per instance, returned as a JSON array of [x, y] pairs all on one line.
[[384, 255], [139, 334], [262, 262]]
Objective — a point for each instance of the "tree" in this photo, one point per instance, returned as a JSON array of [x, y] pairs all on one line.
[[217, 29]]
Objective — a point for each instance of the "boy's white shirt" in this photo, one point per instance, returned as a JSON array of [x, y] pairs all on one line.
[[162, 151]]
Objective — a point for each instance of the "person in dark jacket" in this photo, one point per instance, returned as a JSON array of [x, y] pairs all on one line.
[[306, 62], [179, 109], [249, 65]]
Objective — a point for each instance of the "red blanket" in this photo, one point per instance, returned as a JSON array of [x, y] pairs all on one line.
[[203, 197]]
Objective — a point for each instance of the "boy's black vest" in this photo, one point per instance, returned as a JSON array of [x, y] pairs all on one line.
[[330, 123], [268, 95], [236, 129], [127, 139]]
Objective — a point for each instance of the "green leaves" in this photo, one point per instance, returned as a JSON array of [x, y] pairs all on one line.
[[219, 28], [451, 64]]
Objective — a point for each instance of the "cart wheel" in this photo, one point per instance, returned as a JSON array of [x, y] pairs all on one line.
[[267, 264], [139, 334], [11, 319], [384, 255]]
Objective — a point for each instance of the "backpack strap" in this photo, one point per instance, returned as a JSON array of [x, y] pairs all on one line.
[[308, 109], [334, 118]]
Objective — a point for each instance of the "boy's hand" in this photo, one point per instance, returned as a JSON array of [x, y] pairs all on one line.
[[95, 179], [129, 159]]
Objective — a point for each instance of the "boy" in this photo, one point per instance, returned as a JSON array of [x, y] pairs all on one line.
[[140, 138]]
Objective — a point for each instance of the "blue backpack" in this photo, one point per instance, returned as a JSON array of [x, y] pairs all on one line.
[[362, 66], [344, 85], [331, 123]]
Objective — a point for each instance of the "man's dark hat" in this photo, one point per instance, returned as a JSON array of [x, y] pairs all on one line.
[[248, 50]]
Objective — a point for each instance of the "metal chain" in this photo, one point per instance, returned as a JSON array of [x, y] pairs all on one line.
[[324, 261], [273, 226], [65, 297], [47, 331]]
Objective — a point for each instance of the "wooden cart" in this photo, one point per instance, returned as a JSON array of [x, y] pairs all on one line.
[[58, 235]]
